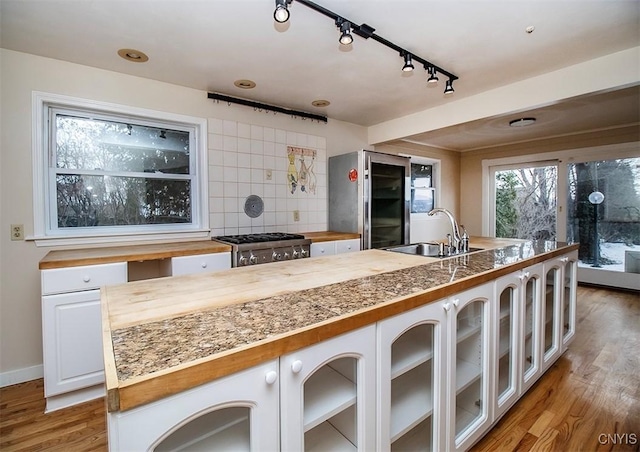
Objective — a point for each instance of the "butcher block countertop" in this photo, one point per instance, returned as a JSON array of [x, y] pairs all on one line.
[[167, 335], [134, 253]]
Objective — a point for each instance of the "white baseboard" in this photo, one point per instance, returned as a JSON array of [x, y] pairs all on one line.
[[14, 377]]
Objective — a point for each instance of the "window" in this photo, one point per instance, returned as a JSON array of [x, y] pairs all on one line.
[[422, 188], [109, 173]]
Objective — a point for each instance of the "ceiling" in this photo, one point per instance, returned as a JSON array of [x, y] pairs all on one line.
[[207, 45]]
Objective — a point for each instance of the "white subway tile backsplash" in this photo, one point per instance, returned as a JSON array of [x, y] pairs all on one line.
[[244, 130], [244, 145], [230, 143], [257, 147], [257, 133], [216, 173], [230, 128], [281, 136], [244, 160], [215, 126], [269, 134], [230, 174], [240, 155]]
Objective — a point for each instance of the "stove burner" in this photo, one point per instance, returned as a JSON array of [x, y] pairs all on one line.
[[258, 238], [250, 249]]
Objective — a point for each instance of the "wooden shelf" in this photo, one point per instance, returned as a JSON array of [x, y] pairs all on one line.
[[411, 400], [326, 393], [467, 331], [419, 438]]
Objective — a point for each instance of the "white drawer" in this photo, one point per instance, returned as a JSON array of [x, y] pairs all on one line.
[[323, 249], [200, 263], [73, 279], [347, 246]]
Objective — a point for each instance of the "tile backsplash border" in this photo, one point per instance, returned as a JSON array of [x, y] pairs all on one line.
[[246, 159]]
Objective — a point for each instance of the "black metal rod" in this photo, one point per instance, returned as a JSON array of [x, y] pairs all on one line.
[[250, 103], [378, 38]]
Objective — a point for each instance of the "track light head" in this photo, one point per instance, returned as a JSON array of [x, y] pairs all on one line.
[[448, 89], [281, 14], [408, 65], [345, 31], [433, 78]]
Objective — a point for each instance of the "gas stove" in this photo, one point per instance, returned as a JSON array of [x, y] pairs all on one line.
[[252, 249]]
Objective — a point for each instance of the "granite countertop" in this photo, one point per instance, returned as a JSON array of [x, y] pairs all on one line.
[[164, 336]]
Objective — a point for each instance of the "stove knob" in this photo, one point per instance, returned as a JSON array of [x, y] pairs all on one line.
[[287, 256], [276, 256], [303, 252], [253, 259], [295, 254], [242, 261]]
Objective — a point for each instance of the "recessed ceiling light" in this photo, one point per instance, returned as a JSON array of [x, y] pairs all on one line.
[[133, 55], [245, 84], [522, 122], [320, 103], [530, 29]]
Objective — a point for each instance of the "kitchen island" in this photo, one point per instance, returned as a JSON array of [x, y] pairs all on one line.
[[176, 335]]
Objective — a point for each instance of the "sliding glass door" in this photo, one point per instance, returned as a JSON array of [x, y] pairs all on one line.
[[586, 199]]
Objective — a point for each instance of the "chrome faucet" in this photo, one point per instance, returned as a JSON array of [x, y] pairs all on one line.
[[456, 245]]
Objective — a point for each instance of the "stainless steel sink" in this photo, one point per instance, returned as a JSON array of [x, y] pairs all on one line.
[[425, 249]]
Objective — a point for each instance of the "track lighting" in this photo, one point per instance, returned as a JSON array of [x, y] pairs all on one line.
[[448, 89], [281, 14], [433, 79], [408, 65], [345, 31], [365, 31]]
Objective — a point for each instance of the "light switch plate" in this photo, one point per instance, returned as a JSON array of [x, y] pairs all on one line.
[[296, 215]]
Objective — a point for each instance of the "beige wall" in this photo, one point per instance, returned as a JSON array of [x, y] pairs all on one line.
[[471, 164], [20, 317]]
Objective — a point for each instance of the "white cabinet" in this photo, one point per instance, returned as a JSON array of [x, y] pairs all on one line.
[[72, 331], [551, 318], [328, 394], [505, 343], [200, 263], [334, 247], [530, 326], [569, 298], [412, 360], [234, 413], [470, 372]]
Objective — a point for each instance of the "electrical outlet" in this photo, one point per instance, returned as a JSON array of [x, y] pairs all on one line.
[[17, 232], [296, 215], [267, 174]]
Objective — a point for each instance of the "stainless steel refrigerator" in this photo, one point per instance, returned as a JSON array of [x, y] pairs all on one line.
[[369, 193]]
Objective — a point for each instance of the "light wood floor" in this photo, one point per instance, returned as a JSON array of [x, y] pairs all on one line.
[[591, 392]]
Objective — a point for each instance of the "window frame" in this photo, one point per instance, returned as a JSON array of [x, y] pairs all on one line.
[[46, 231]]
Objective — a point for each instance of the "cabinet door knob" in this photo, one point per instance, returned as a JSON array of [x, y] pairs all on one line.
[[271, 377], [456, 302], [564, 259], [86, 278], [296, 366], [446, 306], [203, 265]]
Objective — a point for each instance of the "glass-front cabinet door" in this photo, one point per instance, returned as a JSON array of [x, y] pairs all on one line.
[[530, 355], [569, 299], [328, 394], [469, 388], [507, 291], [551, 312], [411, 380]]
